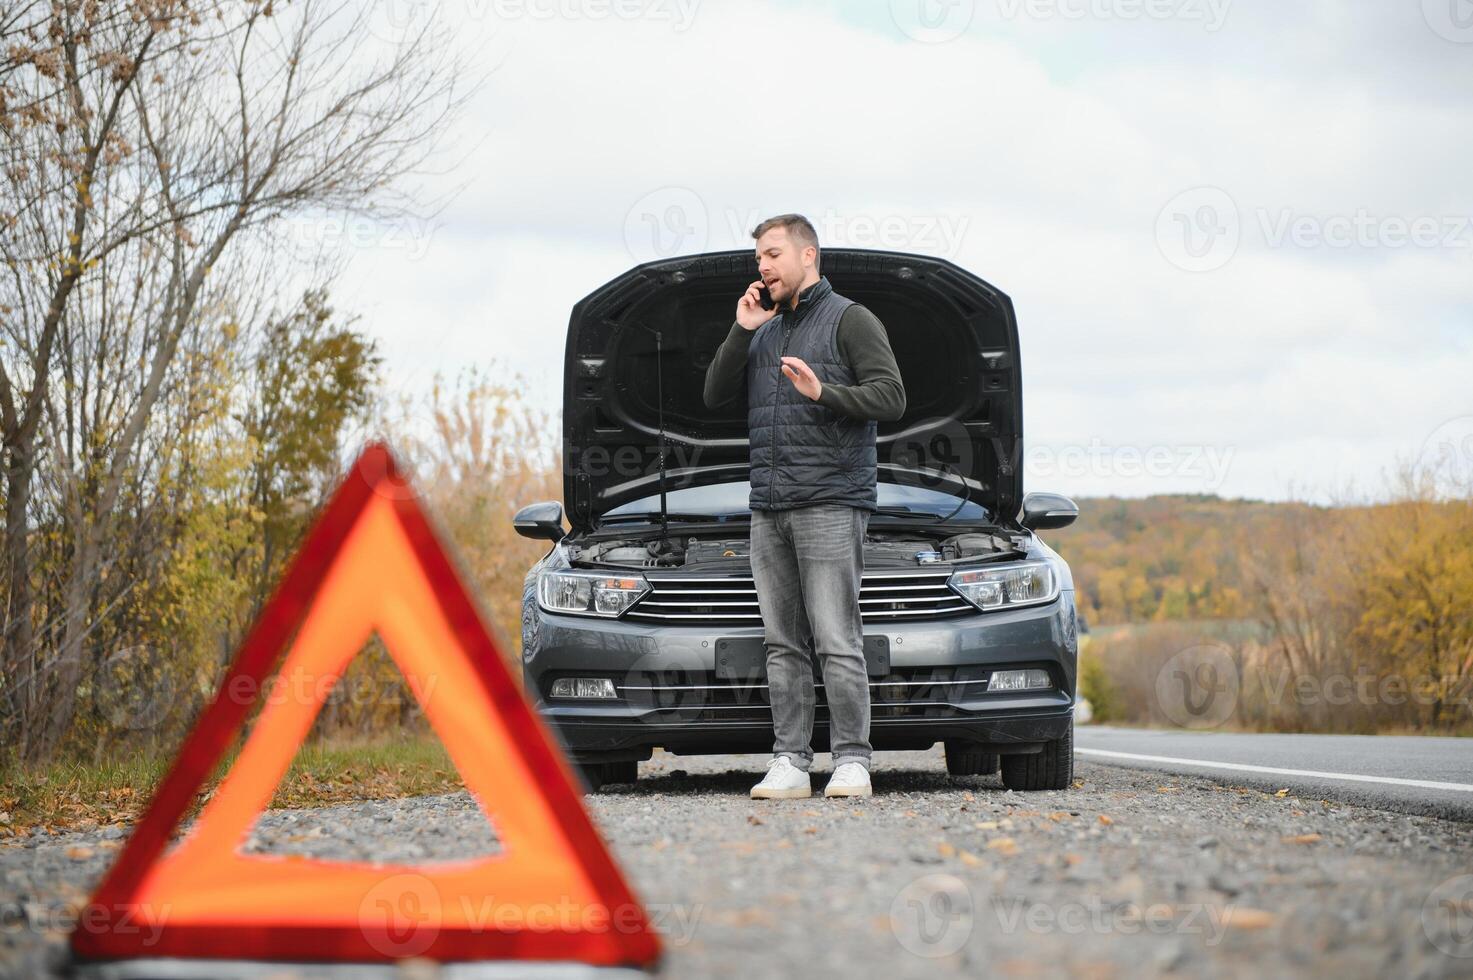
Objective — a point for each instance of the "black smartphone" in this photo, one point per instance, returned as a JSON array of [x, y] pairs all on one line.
[[764, 296]]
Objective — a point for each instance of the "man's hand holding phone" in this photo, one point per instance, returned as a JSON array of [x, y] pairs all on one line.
[[751, 312]]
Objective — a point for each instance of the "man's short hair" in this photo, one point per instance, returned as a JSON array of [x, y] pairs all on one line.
[[799, 229]]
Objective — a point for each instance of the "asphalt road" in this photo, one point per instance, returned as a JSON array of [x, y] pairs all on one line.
[[1406, 774]]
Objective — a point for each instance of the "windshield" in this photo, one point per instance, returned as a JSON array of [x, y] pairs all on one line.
[[723, 500]]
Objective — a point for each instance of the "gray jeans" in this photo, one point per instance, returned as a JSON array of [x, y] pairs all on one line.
[[806, 564]]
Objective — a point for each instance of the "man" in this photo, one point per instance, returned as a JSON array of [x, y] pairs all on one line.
[[818, 372]]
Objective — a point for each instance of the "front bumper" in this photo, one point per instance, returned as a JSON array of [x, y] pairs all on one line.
[[671, 697]]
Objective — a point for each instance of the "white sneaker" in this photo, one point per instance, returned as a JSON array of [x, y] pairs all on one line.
[[850, 779], [784, 781]]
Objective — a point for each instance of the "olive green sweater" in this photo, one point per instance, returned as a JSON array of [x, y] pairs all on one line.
[[862, 341]]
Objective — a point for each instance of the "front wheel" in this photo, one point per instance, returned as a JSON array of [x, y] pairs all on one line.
[[1053, 768]]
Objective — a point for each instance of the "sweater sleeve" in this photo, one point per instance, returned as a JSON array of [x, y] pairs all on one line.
[[727, 373], [879, 395]]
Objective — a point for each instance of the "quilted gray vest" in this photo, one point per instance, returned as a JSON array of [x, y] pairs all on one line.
[[802, 452]]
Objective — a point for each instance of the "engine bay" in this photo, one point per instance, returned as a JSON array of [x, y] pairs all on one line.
[[883, 548]]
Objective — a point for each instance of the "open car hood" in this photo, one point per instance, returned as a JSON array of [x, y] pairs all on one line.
[[652, 332]]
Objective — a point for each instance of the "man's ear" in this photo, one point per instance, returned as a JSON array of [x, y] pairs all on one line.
[[810, 256]]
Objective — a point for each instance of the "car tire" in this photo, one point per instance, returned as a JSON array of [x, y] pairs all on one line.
[[1053, 768], [969, 759]]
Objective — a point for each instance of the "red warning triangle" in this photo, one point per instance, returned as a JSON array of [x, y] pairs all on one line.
[[371, 563]]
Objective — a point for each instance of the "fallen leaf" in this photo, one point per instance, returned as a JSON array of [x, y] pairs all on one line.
[[1003, 845], [810, 830], [1167, 789], [1105, 820], [1302, 839], [79, 853], [1282, 793], [969, 859], [1244, 918], [945, 849], [754, 820], [1059, 815], [985, 825]]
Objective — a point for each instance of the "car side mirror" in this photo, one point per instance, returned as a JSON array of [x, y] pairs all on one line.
[[1045, 510], [541, 520]]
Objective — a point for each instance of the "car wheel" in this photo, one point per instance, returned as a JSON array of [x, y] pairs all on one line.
[[968, 759], [1053, 768]]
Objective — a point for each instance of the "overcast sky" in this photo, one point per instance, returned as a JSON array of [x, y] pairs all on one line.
[[1237, 235]]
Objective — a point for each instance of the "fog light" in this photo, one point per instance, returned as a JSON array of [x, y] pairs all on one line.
[[1018, 680], [583, 687]]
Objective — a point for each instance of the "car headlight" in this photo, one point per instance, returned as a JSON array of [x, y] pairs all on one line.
[[589, 593], [1021, 583]]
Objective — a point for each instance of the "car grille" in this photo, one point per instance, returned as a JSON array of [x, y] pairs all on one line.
[[883, 596], [914, 692]]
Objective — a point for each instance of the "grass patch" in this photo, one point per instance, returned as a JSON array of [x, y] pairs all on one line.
[[80, 796]]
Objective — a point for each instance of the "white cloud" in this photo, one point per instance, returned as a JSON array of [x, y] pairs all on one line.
[[1048, 149]]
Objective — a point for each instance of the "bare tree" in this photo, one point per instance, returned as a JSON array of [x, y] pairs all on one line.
[[257, 117]]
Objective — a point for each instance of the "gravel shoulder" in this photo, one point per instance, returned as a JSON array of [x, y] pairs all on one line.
[[1130, 874]]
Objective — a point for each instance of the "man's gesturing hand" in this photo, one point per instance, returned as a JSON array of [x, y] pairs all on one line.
[[750, 313], [802, 377]]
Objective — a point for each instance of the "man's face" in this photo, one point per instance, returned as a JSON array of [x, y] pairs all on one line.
[[780, 264]]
